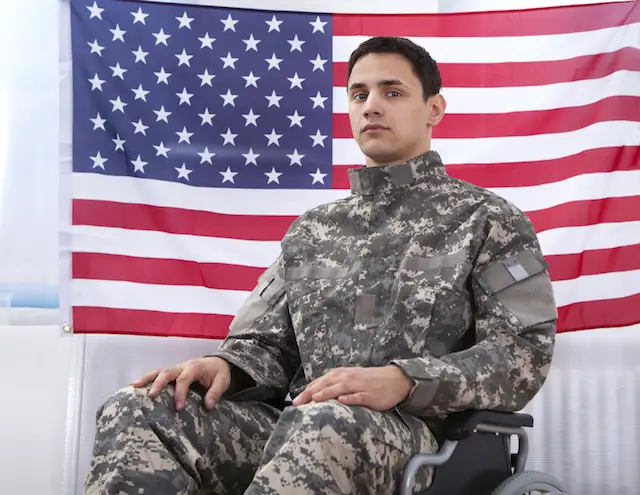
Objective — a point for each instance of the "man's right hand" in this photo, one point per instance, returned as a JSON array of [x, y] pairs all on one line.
[[213, 373]]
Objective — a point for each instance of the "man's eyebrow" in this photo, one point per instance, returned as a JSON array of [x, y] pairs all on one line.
[[382, 83]]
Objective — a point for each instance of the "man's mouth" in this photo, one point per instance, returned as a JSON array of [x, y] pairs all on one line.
[[373, 127]]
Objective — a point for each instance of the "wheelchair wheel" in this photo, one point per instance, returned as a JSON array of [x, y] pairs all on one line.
[[530, 482]]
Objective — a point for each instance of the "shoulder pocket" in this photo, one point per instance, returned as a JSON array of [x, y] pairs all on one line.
[[502, 274]]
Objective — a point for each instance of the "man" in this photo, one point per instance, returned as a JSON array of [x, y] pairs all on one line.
[[416, 296]]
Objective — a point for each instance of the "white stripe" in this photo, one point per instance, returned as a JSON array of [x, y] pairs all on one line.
[[526, 98], [597, 287], [499, 49], [516, 148], [573, 240]]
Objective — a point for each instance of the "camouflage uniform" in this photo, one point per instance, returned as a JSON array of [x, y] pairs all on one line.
[[415, 268]]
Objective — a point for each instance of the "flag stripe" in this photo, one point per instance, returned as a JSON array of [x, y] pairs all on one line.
[[618, 312], [592, 262]]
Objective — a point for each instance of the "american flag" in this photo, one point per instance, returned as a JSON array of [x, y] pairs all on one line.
[[200, 133]]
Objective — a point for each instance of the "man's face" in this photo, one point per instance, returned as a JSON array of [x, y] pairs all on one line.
[[390, 120]]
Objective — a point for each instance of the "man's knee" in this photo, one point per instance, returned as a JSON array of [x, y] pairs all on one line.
[[128, 400]]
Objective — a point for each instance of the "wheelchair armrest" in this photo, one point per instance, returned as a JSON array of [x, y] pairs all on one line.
[[461, 425]]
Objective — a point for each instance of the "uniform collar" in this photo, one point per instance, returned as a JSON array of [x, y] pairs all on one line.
[[372, 180]]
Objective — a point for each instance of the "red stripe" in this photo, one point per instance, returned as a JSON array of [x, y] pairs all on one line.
[[557, 120], [598, 261], [509, 74], [621, 312], [524, 174], [141, 322], [556, 20]]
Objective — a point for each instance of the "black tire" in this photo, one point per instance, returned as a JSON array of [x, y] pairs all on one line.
[[527, 481]]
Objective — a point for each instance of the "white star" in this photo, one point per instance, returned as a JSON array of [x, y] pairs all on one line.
[[161, 37], [207, 41], [162, 114], [206, 156], [96, 11], [251, 80], [228, 175], [296, 81], [295, 157], [98, 122], [229, 137], [118, 71], [318, 138], [295, 119], [206, 78], [95, 47], [161, 149], [273, 138], [229, 61], [185, 21], [140, 127], [229, 23], [96, 83], [183, 172], [318, 25], [274, 24], [296, 44], [318, 63], [228, 98], [118, 104], [251, 157], [184, 97], [141, 56], [98, 161], [318, 100], [318, 177], [139, 16], [163, 76], [118, 34], [273, 62], [183, 58], [273, 176], [138, 164], [141, 93], [274, 99], [206, 117], [251, 118], [119, 143], [185, 136], [252, 43]]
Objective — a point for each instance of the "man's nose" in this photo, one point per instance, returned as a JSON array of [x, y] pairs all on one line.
[[373, 105]]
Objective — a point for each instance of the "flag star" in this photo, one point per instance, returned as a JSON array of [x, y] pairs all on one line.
[[229, 137], [273, 138], [273, 176], [296, 81], [295, 157], [206, 78], [318, 63], [163, 76], [161, 37], [138, 164], [162, 114], [118, 104], [119, 143], [185, 21], [183, 58], [139, 16], [140, 127], [273, 62], [96, 11], [295, 119], [183, 172], [318, 25], [184, 97], [318, 177], [98, 122], [118, 71], [251, 80], [229, 61], [251, 118], [118, 34], [228, 175], [229, 23], [206, 117], [206, 156], [141, 93], [251, 157], [185, 136], [274, 99], [95, 47], [98, 161], [296, 44], [318, 100], [318, 138], [141, 56], [228, 98], [252, 43], [206, 41], [161, 149], [274, 24], [96, 83]]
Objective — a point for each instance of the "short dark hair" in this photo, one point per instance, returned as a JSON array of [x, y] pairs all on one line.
[[424, 67]]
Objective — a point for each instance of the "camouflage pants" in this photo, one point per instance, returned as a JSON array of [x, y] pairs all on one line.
[[147, 447]]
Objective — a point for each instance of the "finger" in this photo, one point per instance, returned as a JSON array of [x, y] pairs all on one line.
[[218, 387], [183, 382], [327, 380], [357, 399], [163, 378], [146, 378], [333, 392]]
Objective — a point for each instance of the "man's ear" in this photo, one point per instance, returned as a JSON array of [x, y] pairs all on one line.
[[436, 107]]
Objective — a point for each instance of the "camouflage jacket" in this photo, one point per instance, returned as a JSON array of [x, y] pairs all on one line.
[[415, 268]]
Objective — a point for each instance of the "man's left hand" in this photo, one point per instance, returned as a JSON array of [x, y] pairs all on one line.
[[379, 388]]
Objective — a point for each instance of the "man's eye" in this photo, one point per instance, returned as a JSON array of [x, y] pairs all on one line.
[[358, 96], [394, 93]]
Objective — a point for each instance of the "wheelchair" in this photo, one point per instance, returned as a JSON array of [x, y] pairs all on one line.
[[475, 458]]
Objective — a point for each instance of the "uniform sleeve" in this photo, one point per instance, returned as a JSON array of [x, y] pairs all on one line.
[[515, 325], [260, 344]]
